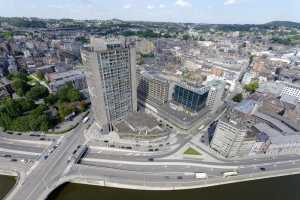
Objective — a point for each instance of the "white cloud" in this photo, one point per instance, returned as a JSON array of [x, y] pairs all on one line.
[[183, 3], [127, 6], [230, 2], [162, 5], [150, 7]]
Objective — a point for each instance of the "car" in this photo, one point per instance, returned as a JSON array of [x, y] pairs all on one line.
[[42, 139], [151, 159], [179, 177], [112, 146], [7, 156], [150, 149], [14, 160], [75, 151], [46, 157], [262, 168], [156, 149], [161, 145]]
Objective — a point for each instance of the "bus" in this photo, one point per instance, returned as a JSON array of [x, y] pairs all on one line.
[[200, 175]]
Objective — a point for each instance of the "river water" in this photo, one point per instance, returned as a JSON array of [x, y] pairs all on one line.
[[282, 188], [6, 183]]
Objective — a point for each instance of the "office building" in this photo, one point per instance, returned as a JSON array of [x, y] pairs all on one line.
[[111, 78], [190, 97], [215, 95], [233, 135], [230, 139], [151, 88], [291, 91]]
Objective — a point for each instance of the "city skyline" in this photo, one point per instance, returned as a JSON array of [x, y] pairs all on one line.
[[215, 12]]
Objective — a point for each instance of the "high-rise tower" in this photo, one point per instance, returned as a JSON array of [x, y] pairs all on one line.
[[111, 77]]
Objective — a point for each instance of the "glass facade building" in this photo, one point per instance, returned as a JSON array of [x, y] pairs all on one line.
[[191, 99]]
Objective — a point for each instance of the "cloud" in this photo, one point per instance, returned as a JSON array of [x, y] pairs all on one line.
[[230, 2], [162, 6], [127, 6], [150, 7], [183, 3]]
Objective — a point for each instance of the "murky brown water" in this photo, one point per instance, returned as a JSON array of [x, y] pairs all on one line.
[[6, 183]]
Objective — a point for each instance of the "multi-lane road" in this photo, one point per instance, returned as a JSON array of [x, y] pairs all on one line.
[[54, 161]]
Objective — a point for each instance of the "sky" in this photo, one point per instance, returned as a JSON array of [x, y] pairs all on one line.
[[197, 11]]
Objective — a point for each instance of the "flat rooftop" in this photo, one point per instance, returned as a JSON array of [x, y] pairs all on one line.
[[140, 124]]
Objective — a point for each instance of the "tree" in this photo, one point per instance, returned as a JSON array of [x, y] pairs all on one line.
[[68, 93], [51, 99], [73, 95], [83, 105], [25, 104], [37, 92], [251, 87], [186, 37], [5, 120], [18, 75], [238, 98], [65, 110], [11, 108], [20, 86], [40, 75]]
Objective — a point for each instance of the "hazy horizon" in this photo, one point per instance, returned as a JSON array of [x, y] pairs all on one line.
[[180, 11]]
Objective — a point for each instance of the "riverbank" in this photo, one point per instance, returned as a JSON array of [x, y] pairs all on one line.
[[275, 188]]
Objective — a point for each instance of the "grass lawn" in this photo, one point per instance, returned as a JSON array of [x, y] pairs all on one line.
[[192, 151]]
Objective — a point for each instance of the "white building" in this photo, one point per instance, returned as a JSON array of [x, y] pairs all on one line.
[[215, 95], [230, 140]]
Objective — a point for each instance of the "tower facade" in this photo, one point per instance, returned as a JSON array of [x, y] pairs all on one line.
[[111, 78]]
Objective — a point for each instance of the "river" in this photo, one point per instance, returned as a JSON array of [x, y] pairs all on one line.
[[282, 188], [6, 183]]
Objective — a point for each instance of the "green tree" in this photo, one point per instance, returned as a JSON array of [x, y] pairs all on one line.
[[5, 120], [37, 92], [51, 99], [11, 108], [73, 95], [20, 124], [18, 75], [238, 98], [40, 75], [251, 87], [65, 110], [25, 104], [68, 93], [20, 86]]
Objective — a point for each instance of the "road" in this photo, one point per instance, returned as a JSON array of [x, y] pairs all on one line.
[[48, 171], [57, 163]]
